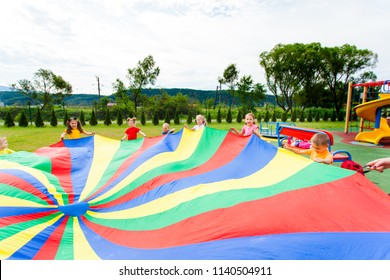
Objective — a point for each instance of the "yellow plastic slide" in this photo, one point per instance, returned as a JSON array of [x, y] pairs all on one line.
[[367, 111]]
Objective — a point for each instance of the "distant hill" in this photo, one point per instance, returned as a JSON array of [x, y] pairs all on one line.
[[12, 98], [4, 88]]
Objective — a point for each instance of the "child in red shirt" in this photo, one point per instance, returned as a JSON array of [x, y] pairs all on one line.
[[131, 132]]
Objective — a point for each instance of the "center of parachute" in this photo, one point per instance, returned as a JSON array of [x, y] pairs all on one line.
[[76, 209]]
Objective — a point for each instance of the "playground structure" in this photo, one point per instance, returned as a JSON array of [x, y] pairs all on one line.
[[271, 129], [370, 111]]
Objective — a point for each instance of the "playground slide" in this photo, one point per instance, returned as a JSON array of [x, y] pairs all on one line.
[[368, 111]]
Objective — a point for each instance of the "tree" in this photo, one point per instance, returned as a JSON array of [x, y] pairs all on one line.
[[339, 65], [155, 120], [208, 117], [239, 116], [219, 116], [107, 119], [229, 118], [53, 118], [143, 118], [23, 122], [93, 120], [119, 118], [248, 94], [38, 119], [144, 74], [82, 118], [230, 77], [8, 121], [47, 88], [66, 118], [167, 118], [176, 119], [282, 75], [189, 118]]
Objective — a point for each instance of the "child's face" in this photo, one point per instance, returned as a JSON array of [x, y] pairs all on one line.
[[73, 124], [249, 120], [3, 144], [130, 123], [199, 120], [319, 149], [165, 128]]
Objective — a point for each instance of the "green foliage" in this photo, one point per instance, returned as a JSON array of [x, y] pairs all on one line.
[[167, 119], [23, 122], [229, 116], [219, 116], [333, 117], [38, 119], [208, 118], [66, 118], [267, 115], [143, 118], [176, 118], [107, 119], [93, 120], [284, 117], [274, 116], [318, 116], [82, 118], [309, 116], [326, 116], [259, 117], [119, 118], [340, 116], [294, 116], [239, 117], [155, 120], [9, 121], [302, 116], [53, 118], [189, 118]]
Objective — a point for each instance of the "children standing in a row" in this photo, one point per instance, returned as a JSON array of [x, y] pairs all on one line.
[[74, 129], [131, 132], [249, 128], [200, 123]]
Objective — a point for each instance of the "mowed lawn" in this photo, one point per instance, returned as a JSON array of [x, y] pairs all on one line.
[[31, 138]]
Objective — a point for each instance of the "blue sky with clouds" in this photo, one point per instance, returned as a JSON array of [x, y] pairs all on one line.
[[192, 41]]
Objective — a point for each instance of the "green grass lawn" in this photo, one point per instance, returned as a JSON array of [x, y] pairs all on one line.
[[31, 138]]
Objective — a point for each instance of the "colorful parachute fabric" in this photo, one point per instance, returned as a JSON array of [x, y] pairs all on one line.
[[205, 194]]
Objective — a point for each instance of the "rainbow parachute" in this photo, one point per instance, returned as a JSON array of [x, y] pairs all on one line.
[[205, 194]]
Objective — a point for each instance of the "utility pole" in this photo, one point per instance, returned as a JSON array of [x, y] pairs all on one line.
[[98, 82]]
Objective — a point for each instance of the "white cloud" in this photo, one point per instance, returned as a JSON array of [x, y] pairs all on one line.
[[191, 41]]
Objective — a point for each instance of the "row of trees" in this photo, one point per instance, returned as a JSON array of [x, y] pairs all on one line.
[[227, 114], [305, 75]]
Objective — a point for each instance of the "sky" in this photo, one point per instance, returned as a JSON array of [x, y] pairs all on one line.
[[191, 41]]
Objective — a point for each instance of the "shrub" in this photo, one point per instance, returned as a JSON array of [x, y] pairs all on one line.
[[66, 118], [266, 117], [219, 117], [107, 119], [155, 118], [167, 119], [9, 121], [53, 118], [294, 116], [274, 116], [176, 119], [38, 119], [309, 116], [229, 116], [119, 118], [208, 117], [284, 117], [239, 117], [82, 118], [93, 120], [326, 116], [143, 118], [302, 116], [23, 122], [317, 117]]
